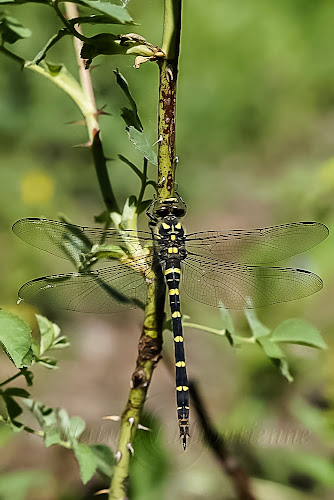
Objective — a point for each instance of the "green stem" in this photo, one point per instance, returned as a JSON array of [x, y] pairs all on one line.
[[167, 98], [149, 349], [10, 379], [92, 123], [247, 340]]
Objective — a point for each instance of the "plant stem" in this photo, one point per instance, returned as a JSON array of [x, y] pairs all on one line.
[[149, 349], [150, 343], [218, 446], [92, 123], [10, 379], [167, 98]]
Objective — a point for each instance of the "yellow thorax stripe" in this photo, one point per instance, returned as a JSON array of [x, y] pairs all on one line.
[[178, 226], [176, 314], [182, 388], [174, 291], [172, 270], [165, 226], [178, 338]]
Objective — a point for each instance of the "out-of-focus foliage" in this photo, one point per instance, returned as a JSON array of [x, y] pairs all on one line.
[[255, 143]]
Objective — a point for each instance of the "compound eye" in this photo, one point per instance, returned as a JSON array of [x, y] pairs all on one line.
[[162, 212], [178, 212]]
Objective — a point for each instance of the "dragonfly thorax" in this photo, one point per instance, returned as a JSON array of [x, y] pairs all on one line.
[[169, 239]]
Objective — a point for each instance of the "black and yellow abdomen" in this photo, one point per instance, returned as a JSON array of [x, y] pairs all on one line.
[[172, 276]]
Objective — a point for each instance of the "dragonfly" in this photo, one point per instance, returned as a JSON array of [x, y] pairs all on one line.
[[226, 268]]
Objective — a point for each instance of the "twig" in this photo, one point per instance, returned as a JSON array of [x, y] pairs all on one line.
[[167, 98], [92, 123], [218, 446]]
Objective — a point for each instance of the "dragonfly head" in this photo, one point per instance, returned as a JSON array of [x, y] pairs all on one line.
[[169, 207]]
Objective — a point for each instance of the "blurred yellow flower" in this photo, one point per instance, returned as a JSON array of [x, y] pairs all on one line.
[[37, 187]]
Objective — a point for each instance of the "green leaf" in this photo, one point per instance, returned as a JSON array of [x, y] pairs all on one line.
[[103, 43], [98, 19], [47, 362], [115, 12], [129, 214], [227, 321], [87, 461], [276, 355], [48, 331], [16, 391], [16, 340], [12, 30], [130, 116], [141, 143], [258, 328], [298, 331], [51, 437], [46, 417], [12, 406], [104, 458]]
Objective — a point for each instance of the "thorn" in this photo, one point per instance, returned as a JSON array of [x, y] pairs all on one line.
[[176, 159], [87, 144], [130, 448], [102, 492], [76, 122], [19, 300], [143, 428], [118, 456], [102, 112], [159, 140], [114, 418], [131, 421]]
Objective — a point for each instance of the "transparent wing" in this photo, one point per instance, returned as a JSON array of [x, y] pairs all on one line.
[[69, 241], [116, 288], [237, 286], [257, 246]]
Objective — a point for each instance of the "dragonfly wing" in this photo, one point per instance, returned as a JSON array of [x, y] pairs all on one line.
[[70, 241], [258, 246], [116, 288], [238, 286]]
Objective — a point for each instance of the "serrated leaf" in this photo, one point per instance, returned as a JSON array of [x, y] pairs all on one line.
[[51, 437], [12, 30], [99, 19], [141, 143], [87, 461], [130, 116], [258, 328], [104, 458], [298, 331], [115, 12], [15, 338], [276, 355]]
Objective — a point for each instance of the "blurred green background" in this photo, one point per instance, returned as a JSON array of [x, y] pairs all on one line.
[[255, 141]]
